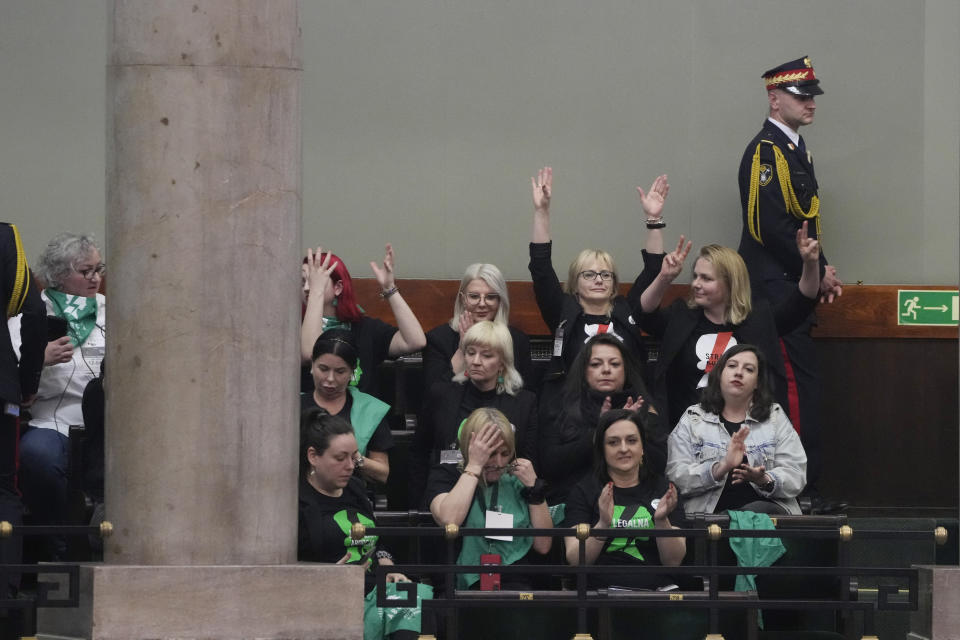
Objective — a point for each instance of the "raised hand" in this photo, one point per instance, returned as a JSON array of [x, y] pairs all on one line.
[[735, 452], [606, 406], [465, 321], [384, 273], [652, 200], [830, 286], [542, 189], [483, 443], [673, 261], [523, 470], [317, 271], [808, 247], [630, 405], [605, 502], [667, 503]]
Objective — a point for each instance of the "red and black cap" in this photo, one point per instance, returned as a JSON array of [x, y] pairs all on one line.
[[796, 77]]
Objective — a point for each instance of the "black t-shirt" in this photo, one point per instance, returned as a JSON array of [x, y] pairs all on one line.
[[373, 339], [588, 325], [633, 508], [442, 343], [441, 480], [381, 440], [688, 374], [324, 525]]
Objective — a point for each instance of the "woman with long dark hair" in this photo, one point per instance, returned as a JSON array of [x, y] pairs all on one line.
[[623, 493], [332, 500], [736, 449], [604, 375]]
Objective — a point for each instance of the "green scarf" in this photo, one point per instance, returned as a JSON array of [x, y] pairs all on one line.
[[473, 546], [79, 312], [366, 412]]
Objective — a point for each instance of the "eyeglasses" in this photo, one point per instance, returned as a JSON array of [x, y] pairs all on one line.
[[89, 272], [475, 298], [592, 275]]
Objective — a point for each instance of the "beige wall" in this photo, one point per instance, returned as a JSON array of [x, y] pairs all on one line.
[[423, 121]]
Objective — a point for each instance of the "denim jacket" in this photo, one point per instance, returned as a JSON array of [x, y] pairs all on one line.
[[700, 440]]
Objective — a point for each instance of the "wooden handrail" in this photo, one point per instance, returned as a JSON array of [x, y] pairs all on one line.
[[864, 311]]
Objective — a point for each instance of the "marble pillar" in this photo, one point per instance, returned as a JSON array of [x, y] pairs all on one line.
[[203, 240]]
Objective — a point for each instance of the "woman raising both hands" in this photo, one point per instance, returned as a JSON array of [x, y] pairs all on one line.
[[588, 304], [718, 314], [329, 302]]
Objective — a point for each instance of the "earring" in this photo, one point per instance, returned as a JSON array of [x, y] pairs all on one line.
[[500, 378]]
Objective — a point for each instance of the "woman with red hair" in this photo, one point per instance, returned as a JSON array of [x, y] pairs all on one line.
[[329, 303]]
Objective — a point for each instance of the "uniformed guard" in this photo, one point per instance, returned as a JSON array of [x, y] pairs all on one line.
[[778, 192]]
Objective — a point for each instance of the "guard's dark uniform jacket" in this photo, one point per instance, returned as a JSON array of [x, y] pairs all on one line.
[[778, 191], [766, 209]]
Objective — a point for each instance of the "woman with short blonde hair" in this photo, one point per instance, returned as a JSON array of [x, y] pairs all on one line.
[[589, 303], [488, 380]]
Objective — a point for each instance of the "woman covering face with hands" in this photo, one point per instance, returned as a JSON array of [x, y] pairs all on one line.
[[491, 488], [736, 449]]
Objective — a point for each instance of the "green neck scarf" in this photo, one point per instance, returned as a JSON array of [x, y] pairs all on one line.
[[79, 312], [508, 495]]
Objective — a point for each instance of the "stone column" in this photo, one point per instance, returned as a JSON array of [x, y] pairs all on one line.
[[203, 239]]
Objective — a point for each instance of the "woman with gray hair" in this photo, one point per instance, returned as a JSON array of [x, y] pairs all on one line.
[[72, 270], [482, 296]]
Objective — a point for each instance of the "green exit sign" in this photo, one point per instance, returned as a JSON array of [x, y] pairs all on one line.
[[928, 307]]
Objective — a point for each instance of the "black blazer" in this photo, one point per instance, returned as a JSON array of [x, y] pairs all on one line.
[[443, 341], [675, 324], [559, 309]]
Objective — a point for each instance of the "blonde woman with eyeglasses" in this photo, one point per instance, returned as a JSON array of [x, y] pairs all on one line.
[[589, 303], [482, 296]]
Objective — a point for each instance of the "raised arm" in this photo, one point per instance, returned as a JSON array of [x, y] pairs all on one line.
[[652, 203], [671, 550], [809, 250], [410, 336], [546, 287], [542, 191], [672, 266], [539, 513], [317, 274], [594, 544]]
